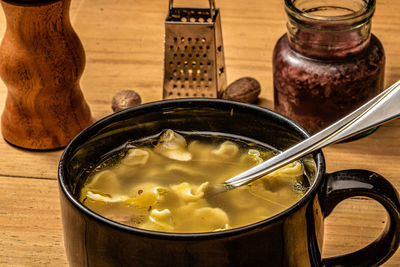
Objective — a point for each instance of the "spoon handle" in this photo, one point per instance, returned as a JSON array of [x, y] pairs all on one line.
[[381, 109]]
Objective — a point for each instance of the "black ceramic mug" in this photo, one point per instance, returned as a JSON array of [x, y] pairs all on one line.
[[291, 238]]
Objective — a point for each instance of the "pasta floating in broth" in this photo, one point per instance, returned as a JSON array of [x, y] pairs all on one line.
[[159, 184]]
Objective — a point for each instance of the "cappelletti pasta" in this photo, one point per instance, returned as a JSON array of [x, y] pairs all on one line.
[[136, 157], [161, 184], [189, 192], [173, 146], [226, 150]]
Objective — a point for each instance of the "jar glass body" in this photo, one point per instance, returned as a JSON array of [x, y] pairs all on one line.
[[324, 67]]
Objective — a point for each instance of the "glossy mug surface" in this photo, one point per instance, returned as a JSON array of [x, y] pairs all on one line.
[[293, 237]]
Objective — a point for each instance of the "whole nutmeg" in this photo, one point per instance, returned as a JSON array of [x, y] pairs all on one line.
[[125, 99], [245, 89]]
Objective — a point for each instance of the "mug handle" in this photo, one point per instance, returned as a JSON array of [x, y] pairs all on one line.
[[348, 183]]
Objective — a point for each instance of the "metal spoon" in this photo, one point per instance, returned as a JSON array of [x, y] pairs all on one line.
[[379, 110]]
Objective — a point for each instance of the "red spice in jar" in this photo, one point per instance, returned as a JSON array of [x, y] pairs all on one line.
[[326, 67]]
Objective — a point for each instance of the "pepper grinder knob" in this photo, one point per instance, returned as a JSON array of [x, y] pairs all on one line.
[[41, 62]]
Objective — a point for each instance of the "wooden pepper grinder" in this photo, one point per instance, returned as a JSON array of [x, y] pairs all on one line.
[[41, 62]]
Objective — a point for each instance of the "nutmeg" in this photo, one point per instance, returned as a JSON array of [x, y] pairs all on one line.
[[125, 99], [245, 89]]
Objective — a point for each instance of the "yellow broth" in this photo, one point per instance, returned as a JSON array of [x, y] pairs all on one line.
[[159, 184]]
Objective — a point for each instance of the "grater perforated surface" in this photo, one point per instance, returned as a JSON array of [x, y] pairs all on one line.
[[193, 57]]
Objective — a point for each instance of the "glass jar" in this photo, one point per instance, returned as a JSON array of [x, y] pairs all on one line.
[[328, 63]]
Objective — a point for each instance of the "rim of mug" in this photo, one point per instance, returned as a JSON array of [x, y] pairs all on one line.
[[83, 135]]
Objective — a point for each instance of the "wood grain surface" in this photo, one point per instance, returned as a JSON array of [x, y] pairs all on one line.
[[123, 40], [41, 62]]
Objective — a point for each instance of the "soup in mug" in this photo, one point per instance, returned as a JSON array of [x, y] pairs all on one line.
[[160, 183]]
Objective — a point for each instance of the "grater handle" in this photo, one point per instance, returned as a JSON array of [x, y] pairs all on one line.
[[211, 3], [212, 8]]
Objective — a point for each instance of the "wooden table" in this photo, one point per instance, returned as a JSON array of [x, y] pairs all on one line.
[[123, 40]]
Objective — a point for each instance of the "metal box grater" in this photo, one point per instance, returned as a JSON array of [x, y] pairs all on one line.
[[194, 64]]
